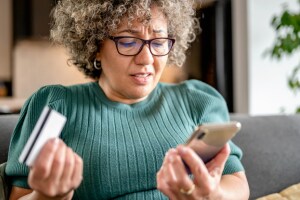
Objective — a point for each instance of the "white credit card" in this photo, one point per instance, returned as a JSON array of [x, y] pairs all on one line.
[[49, 125]]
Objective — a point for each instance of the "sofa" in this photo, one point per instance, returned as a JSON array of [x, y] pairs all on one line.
[[271, 146]]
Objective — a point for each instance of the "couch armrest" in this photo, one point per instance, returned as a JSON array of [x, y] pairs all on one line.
[[271, 146], [5, 187], [7, 125]]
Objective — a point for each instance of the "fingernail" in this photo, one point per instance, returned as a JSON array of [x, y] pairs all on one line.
[[55, 142], [171, 158], [167, 153], [216, 171], [182, 149]]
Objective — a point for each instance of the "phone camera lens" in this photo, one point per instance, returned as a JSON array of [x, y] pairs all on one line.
[[200, 135]]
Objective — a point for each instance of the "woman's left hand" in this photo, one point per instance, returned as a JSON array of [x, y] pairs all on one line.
[[174, 181]]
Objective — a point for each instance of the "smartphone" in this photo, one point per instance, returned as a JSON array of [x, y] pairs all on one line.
[[208, 139]]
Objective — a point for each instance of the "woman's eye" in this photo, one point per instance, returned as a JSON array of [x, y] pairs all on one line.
[[157, 44], [127, 44]]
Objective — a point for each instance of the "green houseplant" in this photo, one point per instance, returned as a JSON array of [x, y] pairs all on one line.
[[287, 42]]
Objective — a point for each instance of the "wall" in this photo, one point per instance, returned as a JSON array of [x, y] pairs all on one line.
[[240, 56], [38, 63], [41, 23], [5, 40], [268, 90], [260, 82]]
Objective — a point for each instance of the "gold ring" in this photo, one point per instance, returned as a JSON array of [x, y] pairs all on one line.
[[189, 191]]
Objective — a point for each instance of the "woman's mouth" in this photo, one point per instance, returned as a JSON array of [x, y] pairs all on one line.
[[142, 78]]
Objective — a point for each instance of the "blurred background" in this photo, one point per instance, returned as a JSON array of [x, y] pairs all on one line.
[[229, 54]]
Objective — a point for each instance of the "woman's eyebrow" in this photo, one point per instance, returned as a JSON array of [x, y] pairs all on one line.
[[137, 31], [159, 31], [129, 31]]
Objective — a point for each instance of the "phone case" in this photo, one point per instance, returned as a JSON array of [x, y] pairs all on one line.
[[208, 139]]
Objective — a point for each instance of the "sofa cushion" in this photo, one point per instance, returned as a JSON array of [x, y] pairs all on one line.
[[4, 186], [270, 145], [271, 152], [290, 193], [7, 124]]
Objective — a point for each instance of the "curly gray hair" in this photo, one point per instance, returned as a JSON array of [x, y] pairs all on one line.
[[81, 25]]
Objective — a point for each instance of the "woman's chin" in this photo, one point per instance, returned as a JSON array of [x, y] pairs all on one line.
[[140, 94]]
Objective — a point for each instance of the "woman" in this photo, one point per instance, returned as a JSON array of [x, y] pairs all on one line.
[[120, 127]]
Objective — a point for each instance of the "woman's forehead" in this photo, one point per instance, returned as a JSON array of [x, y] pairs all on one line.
[[157, 23]]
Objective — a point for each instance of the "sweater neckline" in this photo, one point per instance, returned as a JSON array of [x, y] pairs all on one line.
[[146, 103]]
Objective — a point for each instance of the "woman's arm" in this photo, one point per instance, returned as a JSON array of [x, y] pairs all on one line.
[[54, 175], [235, 186], [18, 193], [207, 183]]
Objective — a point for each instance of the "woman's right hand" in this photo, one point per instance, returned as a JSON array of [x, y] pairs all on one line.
[[56, 172]]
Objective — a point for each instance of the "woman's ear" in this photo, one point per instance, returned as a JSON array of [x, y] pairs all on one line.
[[98, 56]]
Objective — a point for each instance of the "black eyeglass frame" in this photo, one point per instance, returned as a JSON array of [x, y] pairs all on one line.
[[116, 39]]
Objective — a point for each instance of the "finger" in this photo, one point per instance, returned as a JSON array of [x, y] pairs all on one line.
[[165, 189], [169, 175], [162, 184], [68, 167], [196, 165], [58, 163], [169, 171], [77, 175], [182, 178], [217, 164], [41, 168]]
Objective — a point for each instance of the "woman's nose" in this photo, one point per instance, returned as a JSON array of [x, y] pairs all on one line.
[[145, 57]]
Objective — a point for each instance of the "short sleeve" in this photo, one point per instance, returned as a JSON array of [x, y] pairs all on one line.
[[208, 105], [30, 112]]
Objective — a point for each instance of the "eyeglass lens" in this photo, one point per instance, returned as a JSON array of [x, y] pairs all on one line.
[[131, 46]]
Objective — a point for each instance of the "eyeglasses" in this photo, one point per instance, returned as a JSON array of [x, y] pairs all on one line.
[[131, 46]]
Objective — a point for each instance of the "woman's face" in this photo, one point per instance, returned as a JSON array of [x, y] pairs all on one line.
[[130, 79]]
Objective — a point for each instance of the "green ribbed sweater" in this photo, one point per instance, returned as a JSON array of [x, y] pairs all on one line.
[[122, 145]]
